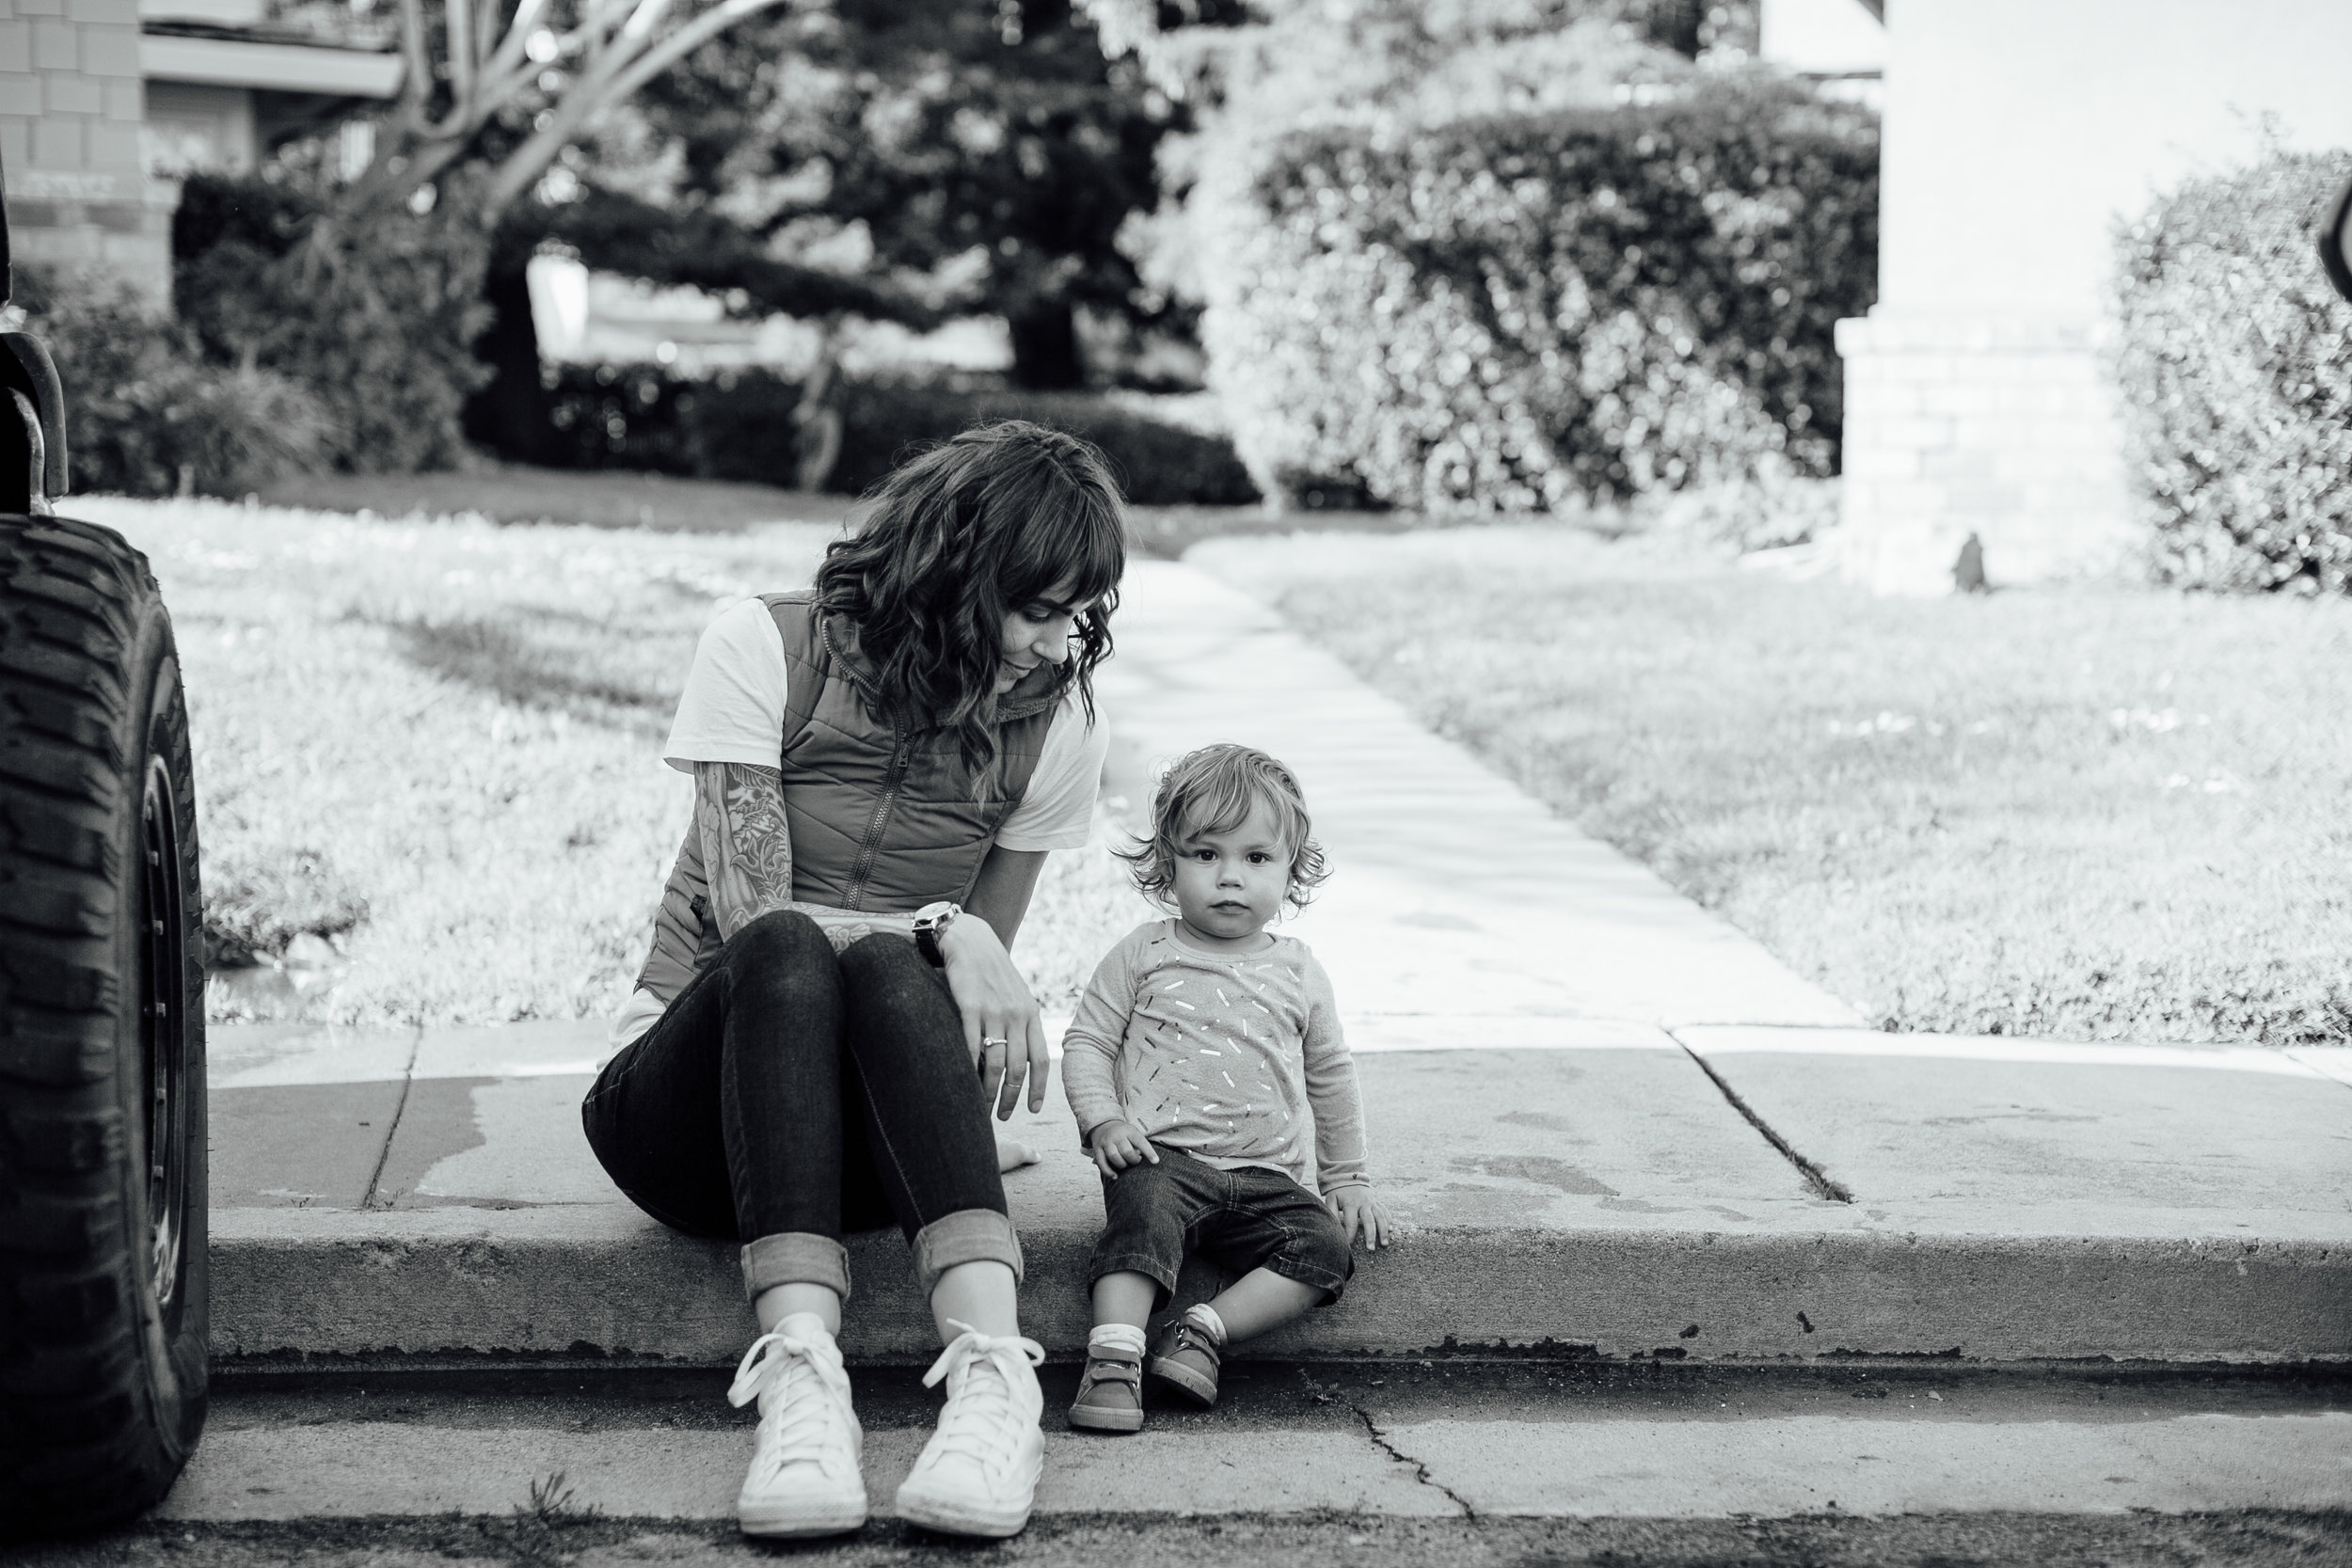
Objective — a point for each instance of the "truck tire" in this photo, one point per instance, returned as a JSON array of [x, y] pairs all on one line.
[[103, 1302]]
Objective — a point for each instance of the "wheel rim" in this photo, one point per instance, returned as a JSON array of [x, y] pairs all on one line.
[[164, 1002]]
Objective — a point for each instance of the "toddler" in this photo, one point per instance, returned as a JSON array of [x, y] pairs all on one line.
[[1204, 1057]]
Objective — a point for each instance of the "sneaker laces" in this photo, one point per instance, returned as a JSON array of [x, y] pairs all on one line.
[[983, 1414], [811, 1391]]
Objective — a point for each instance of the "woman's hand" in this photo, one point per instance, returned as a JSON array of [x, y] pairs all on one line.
[[996, 1007]]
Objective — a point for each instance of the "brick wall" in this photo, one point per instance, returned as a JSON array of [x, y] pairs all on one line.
[[2003, 426], [72, 104]]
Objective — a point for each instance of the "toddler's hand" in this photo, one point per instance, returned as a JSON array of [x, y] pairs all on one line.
[[1117, 1145], [1360, 1212]]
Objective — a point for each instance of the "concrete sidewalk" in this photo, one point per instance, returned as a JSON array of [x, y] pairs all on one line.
[[1432, 1440], [1460, 911], [1611, 1124]]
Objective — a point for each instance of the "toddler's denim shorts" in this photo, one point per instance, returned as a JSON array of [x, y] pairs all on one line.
[[1239, 1219]]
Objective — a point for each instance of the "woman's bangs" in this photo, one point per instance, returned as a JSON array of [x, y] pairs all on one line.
[[1075, 542]]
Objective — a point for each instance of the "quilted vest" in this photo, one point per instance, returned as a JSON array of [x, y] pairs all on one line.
[[881, 818]]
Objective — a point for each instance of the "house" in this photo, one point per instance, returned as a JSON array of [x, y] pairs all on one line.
[[105, 103], [1838, 45], [2018, 133]]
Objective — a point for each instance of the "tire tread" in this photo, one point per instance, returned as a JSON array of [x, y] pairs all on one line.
[[76, 604]]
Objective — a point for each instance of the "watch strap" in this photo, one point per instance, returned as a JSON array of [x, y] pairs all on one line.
[[930, 921]]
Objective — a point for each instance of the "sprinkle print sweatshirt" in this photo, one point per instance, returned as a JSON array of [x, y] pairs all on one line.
[[1236, 1059]]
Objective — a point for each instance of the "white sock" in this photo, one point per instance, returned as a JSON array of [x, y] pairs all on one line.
[[1120, 1339], [1206, 1316], [802, 1325]]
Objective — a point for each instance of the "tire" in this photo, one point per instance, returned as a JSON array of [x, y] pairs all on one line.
[[104, 1284]]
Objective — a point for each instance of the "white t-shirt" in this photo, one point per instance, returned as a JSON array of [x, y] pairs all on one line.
[[732, 710]]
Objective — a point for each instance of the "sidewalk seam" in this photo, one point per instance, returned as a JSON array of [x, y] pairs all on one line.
[[1820, 1181], [400, 1108]]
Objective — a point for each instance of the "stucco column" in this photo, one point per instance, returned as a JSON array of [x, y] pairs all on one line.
[[1998, 425], [2018, 134]]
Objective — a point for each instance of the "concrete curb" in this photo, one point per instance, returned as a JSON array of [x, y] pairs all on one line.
[[532, 1284], [1617, 1195]]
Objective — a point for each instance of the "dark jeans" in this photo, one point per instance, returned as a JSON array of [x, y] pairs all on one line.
[[787, 1096], [1240, 1219]]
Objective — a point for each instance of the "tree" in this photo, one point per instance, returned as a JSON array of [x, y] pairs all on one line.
[[693, 245], [375, 298], [994, 142], [522, 85]]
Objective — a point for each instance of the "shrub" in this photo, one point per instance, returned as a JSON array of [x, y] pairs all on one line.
[[648, 418], [146, 416], [1156, 463], [2235, 367], [1509, 314], [738, 425], [374, 312]]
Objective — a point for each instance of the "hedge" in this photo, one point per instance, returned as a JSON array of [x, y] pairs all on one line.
[[373, 314], [1506, 314], [146, 414], [2235, 368], [738, 425]]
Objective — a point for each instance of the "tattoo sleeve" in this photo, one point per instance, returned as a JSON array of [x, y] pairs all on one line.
[[747, 854]]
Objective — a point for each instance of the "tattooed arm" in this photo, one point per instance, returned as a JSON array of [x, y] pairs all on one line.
[[747, 866], [747, 854]]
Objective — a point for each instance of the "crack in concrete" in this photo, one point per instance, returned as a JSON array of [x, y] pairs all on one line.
[[1421, 1469], [1820, 1181], [408, 1081]]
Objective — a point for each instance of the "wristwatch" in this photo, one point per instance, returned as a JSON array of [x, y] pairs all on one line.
[[930, 921]]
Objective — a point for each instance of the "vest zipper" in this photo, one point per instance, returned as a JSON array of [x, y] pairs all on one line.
[[871, 850]]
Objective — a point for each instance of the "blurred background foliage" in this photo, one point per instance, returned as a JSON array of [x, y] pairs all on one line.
[[951, 156], [374, 312], [2236, 370], [149, 414], [1519, 313], [646, 417], [1449, 256]]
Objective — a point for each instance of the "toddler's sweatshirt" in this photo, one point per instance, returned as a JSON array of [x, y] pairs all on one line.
[[1237, 1059]]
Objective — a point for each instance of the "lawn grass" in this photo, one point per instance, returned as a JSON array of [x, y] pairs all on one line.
[[2085, 813], [436, 745], [596, 498]]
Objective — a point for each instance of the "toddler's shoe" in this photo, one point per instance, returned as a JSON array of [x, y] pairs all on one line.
[[1110, 1394], [1186, 1357], [804, 1478], [978, 1475]]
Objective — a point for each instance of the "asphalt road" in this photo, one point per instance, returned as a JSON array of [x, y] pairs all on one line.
[[1515, 1464], [1936, 1541]]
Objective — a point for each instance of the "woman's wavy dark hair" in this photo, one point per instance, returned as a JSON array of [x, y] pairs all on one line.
[[1001, 517]]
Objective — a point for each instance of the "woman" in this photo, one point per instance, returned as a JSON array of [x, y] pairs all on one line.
[[881, 766]]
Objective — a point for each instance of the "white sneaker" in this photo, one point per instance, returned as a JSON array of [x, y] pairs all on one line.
[[804, 1477], [978, 1475]]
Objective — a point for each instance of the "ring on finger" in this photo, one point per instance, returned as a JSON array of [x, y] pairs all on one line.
[[987, 1041]]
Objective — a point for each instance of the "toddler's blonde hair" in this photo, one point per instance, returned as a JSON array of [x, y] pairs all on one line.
[[1211, 791]]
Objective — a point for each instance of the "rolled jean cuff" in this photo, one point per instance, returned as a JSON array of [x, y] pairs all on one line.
[[967, 1236], [795, 1257]]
